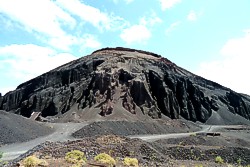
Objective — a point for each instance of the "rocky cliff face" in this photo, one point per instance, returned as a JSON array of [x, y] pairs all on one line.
[[131, 81]]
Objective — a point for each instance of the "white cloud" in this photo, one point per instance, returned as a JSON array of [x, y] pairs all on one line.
[[140, 33], [232, 68], [86, 41], [93, 15], [7, 24], [48, 26], [192, 16], [43, 18], [135, 34], [24, 62], [64, 42], [167, 4], [90, 41], [40, 16], [172, 27], [126, 1], [152, 20]]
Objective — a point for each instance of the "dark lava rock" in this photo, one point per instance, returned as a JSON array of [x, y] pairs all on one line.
[[132, 80]]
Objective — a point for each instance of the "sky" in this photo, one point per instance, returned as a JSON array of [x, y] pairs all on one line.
[[210, 38]]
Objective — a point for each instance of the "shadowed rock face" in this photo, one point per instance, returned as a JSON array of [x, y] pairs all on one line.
[[138, 81]]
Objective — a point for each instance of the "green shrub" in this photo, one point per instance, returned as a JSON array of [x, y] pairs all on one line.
[[219, 160], [193, 134], [105, 158], [33, 161], [130, 162], [3, 163], [199, 165], [239, 161], [75, 157], [1, 155]]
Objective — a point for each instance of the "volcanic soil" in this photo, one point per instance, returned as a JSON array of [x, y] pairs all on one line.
[[15, 128], [183, 147]]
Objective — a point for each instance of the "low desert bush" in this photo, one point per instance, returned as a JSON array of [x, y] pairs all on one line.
[[239, 161], [2, 163], [105, 158], [219, 160], [192, 135], [131, 162], [75, 157], [199, 165], [33, 161]]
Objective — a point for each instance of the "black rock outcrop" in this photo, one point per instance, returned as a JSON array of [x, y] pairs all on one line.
[[132, 81]]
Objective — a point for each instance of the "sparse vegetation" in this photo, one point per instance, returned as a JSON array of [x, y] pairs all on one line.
[[193, 134], [181, 143], [33, 161], [200, 165], [1, 161], [130, 162], [219, 160], [105, 158], [75, 157], [239, 161], [111, 152], [135, 153], [241, 166]]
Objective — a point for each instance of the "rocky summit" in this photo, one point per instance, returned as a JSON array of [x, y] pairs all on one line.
[[122, 83]]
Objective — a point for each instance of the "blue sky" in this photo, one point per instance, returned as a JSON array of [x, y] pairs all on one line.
[[210, 38]]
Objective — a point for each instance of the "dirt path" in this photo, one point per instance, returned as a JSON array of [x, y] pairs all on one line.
[[205, 129], [62, 132]]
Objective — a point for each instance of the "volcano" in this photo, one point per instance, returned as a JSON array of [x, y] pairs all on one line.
[[123, 83]]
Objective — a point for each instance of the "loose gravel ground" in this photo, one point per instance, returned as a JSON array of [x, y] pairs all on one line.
[[231, 145], [14, 128], [126, 128], [117, 146], [155, 154]]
